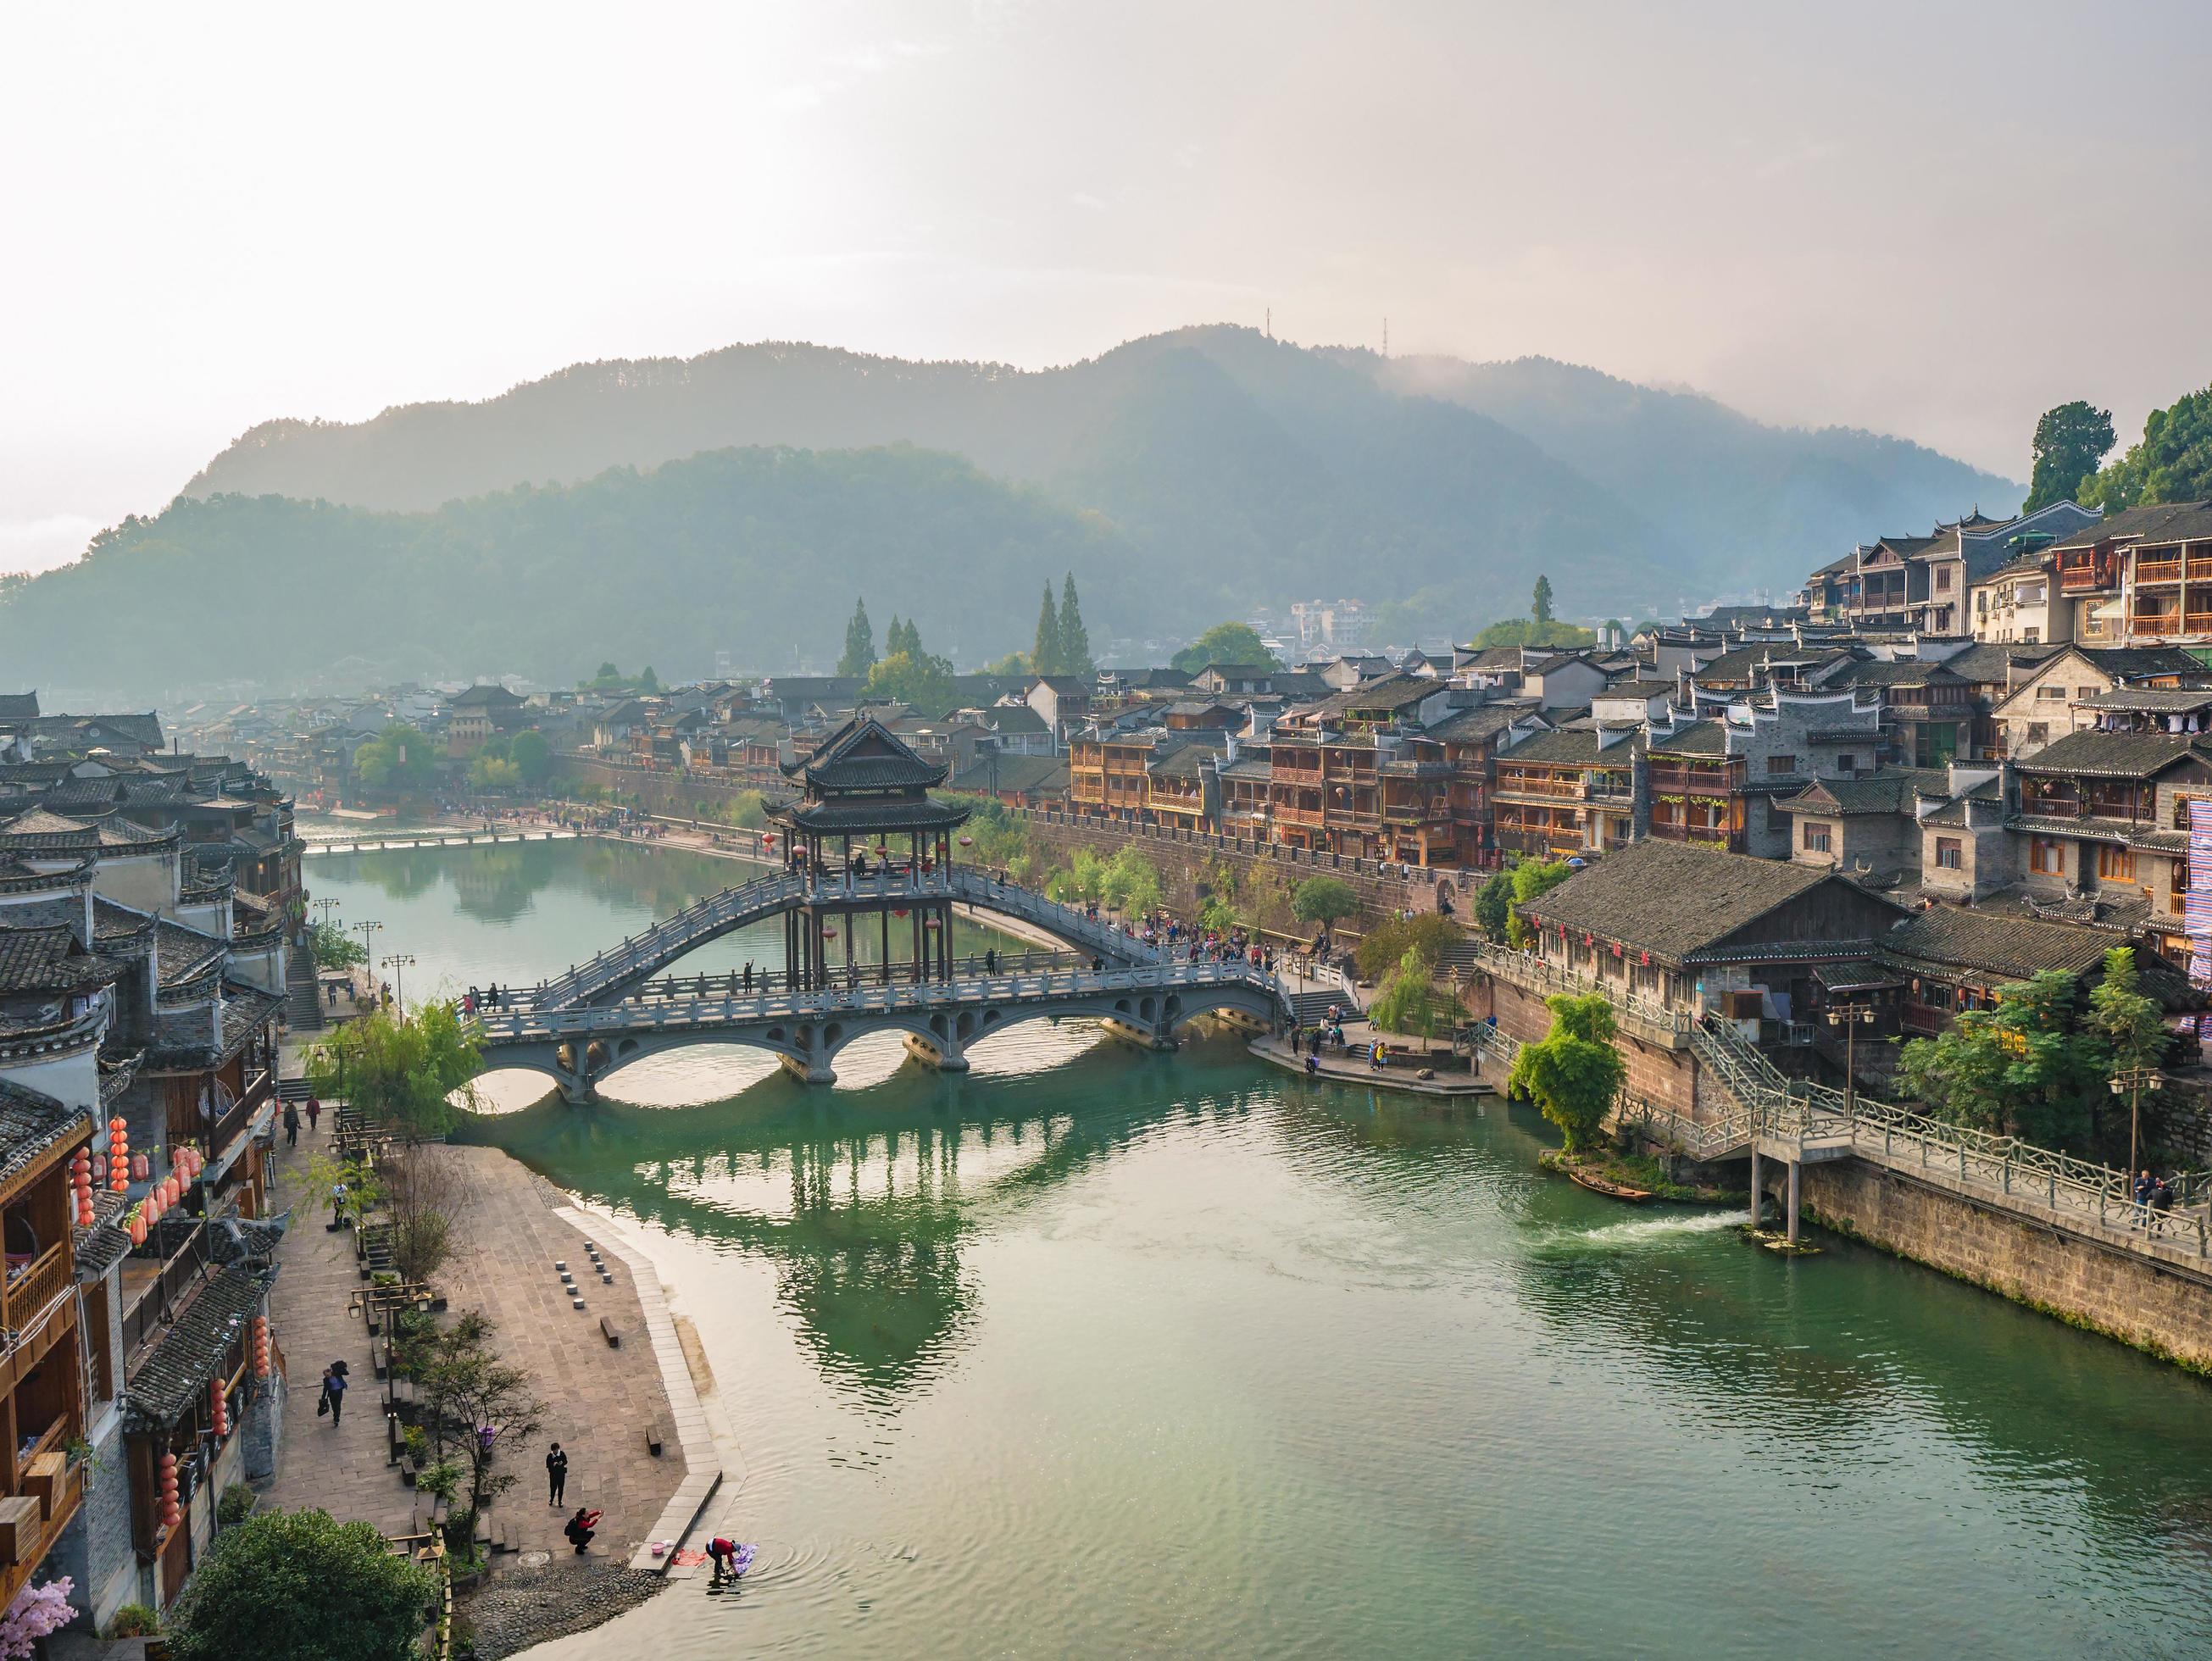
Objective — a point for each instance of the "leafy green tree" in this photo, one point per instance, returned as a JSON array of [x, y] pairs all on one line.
[[2130, 1020], [532, 756], [1225, 642], [1074, 638], [1493, 905], [1014, 664], [462, 1384], [1084, 878], [1131, 883], [2021, 1067], [2173, 462], [1574, 1073], [1045, 654], [400, 758], [647, 681], [331, 948], [1411, 1002], [1531, 879], [1428, 938], [1324, 900], [489, 770], [1539, 610], [1526, 631], [859, 643], [2070, 442], [915, 679], [401, 1071], [303, 1584]]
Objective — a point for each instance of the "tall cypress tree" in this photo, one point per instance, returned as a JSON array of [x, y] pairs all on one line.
[[859, 643], [1046, 656], [1074, 638]]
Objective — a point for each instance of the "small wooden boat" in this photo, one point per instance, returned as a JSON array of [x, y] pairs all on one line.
[[1598, 1184]]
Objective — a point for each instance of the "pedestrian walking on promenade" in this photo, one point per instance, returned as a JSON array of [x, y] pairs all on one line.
[[334, 1389], [314, 1114], [291, 1124], [556, 1474]]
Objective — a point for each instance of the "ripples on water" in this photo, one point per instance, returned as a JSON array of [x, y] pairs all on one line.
[[1092, 1353]]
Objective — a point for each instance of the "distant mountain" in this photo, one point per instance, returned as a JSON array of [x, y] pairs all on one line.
[[1766, 503], [1254, 470], [668, 510], [760, 550]]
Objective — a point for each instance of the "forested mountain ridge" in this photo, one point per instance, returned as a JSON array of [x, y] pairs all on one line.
[[759, 550], [1185, 436], [1704, 472]]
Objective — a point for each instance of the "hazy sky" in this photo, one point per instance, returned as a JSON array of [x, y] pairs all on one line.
[[1927, 219]]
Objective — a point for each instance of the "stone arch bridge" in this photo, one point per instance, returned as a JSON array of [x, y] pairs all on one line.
[[1147, 1004]]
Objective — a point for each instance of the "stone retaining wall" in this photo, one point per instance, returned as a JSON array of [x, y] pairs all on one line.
[[1186, 865], [2151, 1305]]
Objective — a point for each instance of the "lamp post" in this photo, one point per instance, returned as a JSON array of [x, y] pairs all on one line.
[[325, 905], [396, 962], [2130, 1081], [1850, 1017], [367, 957]]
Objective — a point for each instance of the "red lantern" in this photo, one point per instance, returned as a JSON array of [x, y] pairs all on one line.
[[117, 1126], [828, 933], [218, 1409], [137, 1229], [140, 1169], [898, 911], [261, 1346]]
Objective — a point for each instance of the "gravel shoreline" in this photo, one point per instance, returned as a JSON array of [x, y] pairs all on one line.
[[517, 1607]]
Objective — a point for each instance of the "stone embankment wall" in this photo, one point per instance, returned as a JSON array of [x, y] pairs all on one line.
[[2162, 1307], [1189, 865], [660, 790]]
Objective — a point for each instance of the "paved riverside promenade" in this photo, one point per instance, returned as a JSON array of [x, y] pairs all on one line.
[[600, 1400]]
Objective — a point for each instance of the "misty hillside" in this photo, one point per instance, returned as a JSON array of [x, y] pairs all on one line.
[[1759, 497], [753, 551], [1225, 447]]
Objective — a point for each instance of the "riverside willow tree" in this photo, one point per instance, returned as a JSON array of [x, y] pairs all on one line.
[[2071, 441], [860, 653], [1574, 1072], [401, 1071]]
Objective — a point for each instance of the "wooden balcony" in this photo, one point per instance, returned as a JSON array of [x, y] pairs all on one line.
[[2149, 571], [30, 1293]]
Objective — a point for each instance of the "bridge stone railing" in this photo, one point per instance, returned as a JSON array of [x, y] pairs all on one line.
[[764, 896]]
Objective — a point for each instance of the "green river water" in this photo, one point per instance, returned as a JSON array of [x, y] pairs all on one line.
[[1096, 1352]]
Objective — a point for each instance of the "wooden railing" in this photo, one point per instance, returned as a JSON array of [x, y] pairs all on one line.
[[26, 1296]]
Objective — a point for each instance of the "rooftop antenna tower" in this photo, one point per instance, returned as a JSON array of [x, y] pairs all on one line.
[[1269, 330], [1386, 337]]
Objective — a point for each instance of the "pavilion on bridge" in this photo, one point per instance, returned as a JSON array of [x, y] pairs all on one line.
[[864, 827]]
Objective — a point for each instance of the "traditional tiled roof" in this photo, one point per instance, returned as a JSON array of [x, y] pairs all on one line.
[[32, 1123], [2164, 521], [1890, 790], [172, 1380], [1995, 942], [49, 959], [2091, 754], [41, 831], [1695, 738], [1676, 901], [1030, 775], [19, 705], [183, 955], [2150, 700], [864, 754], [870, 815]]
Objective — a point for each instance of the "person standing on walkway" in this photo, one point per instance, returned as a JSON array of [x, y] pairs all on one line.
[[556, 1475], [334, 1389], [291, 1124], [314, 1114]]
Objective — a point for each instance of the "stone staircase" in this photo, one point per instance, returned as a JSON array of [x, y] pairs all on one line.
[[303, 997]]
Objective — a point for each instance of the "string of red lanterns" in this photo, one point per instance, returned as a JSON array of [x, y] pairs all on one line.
[[261, 1346], [118, 1156], [171, 1515]]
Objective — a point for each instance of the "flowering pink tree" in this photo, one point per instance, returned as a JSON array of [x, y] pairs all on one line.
[[37, 1611]]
